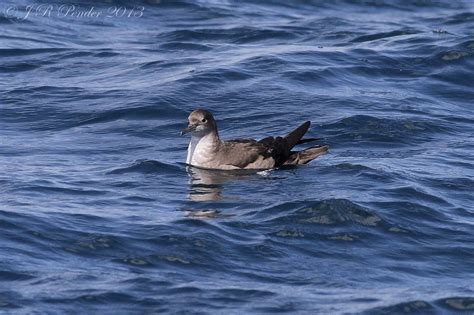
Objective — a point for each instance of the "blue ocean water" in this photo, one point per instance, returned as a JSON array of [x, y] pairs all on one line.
[[99, 214]]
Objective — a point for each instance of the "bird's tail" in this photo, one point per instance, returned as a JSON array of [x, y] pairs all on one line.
[[307, 155], [295, 136]]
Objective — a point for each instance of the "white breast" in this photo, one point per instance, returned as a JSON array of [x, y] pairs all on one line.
[[200, 151]]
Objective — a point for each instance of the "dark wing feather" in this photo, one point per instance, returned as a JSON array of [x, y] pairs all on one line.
[[278, 148], [295, 136], [306, 140]]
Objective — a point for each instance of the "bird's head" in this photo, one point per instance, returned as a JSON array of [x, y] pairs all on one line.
[[201, 122]]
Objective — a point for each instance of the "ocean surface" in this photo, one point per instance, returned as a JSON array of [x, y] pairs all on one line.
[[100, 215]]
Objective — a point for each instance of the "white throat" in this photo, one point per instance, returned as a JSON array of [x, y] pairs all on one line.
[[201, 149]]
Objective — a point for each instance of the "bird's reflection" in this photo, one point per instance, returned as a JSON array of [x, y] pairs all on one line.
[[207, 185]]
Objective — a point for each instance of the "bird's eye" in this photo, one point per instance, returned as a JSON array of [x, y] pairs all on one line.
[[204, 120]]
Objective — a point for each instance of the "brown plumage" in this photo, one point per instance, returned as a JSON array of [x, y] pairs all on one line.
[[206, 150]]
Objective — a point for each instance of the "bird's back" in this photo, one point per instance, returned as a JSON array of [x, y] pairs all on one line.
[[269, 152], [245, 153]]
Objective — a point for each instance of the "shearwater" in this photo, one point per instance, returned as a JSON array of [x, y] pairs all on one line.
[[207, 150]]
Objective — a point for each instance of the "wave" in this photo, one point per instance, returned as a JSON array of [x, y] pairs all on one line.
[[133, 113], [370, 130], [237, 35], [146, 167], [332, 212], [459, 305], [384, 35]]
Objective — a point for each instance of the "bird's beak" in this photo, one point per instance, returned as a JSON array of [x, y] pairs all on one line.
[[189, 129]]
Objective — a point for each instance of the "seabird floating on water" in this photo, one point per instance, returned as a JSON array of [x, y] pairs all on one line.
[[207, 150]]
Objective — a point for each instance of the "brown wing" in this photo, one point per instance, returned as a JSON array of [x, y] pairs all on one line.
[[242, 152], [269, 152]]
